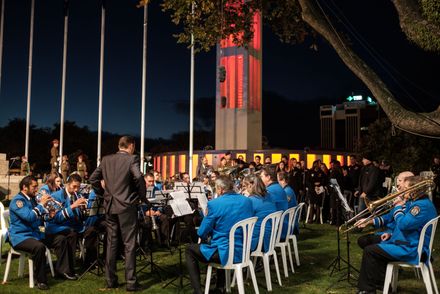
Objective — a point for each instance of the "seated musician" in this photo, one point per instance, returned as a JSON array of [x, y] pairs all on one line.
[[223, 212], [402, 243], [283, 178], [222, 168], [203, 168], [53, 184], [262, 207], [385, 222], [27, 232], [68, 221], [158, 185], [275, 193]]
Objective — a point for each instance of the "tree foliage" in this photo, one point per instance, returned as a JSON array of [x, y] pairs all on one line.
[[293, 21]]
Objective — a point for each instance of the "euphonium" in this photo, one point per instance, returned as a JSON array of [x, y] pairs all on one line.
[[384, 205]]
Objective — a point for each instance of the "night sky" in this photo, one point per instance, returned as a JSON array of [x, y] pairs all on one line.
[[295, 72]]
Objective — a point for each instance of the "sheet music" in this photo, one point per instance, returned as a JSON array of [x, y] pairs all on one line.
[[150, 192], [334, 184], [203, 202], [179, 204]]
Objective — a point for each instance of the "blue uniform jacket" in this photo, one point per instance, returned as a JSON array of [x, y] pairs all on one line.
[[65, 219], [277, 195], [261, 208], [223, 213], [26, 219], [405, 237], [45, 187], [386, 221], [291, 197]]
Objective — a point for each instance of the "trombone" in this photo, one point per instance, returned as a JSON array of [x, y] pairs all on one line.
[[384, 205]]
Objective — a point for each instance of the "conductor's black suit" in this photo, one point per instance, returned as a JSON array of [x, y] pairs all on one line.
[[124, 186]]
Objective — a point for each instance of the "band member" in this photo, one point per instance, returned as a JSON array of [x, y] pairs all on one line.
[[25, 169], [223, 212], [124, 189], [203, 168], [385, 222], [65, 168], [158, 185], [222, 168], [282, 178], [54, 155], [401, 244], [26, 231], [81, 167], [228, 157], [262, 207], [275, 193], [53, 184]]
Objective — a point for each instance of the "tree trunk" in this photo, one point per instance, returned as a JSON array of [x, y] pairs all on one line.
[[425, 124]]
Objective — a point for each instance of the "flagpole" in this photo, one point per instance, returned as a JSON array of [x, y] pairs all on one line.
[[63, 81], [191, 104], [2, 23], [101, 78], [28, 107], [144, 84]]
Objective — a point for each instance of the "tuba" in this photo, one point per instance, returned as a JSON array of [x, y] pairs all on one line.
[[384, 205]]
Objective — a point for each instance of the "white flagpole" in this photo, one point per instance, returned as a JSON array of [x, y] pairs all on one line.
[[144, 84], [101, 78], [63, 81], [2, 23], [28, 107], [191, 105]]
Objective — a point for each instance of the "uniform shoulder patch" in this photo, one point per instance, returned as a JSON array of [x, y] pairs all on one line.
[[19, 203], [415, 210]]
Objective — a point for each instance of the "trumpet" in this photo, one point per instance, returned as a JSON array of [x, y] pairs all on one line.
[[384, 205]]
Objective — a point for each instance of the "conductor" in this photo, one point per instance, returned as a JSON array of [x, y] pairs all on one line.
[[123, 187]]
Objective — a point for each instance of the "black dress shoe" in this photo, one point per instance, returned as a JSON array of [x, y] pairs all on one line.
[[134, 288], [42, 286]]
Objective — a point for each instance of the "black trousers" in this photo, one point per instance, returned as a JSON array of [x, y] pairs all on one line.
[[193, 256], [369, 239], [373, 268], [124, 223], [64, 243], [37, 249]]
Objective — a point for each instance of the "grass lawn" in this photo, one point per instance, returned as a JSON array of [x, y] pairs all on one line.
[[317, 248]]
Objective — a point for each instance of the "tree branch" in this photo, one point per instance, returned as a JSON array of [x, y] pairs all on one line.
[[427, 124]]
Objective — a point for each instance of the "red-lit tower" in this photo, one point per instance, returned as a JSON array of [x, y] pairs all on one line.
[[238, 96]]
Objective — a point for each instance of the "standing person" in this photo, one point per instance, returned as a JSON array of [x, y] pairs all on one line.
[[370, 185], [81, 167], [124, 188], [203, 168], [54, 154], [435, 168], [25, 169], [354, 171], [65, 167], [258, 164]]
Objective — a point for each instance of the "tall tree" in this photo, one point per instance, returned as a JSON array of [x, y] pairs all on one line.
[[294, 20]]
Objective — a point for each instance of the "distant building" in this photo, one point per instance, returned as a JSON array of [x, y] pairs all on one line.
[[342, 125]]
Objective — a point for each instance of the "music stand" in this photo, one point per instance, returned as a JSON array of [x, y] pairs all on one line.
[[96, 209], [336, 263]]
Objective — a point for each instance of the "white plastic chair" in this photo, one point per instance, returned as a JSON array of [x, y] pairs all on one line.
[[289, 213], [21, 261], [247, 226], [392, 271], [3, 230], [275, 221], [292, 236]]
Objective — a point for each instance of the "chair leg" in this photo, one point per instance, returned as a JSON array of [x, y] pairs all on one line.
[[277, 268], [284, 257], [8, 267], [290, 256], [240, 283], [254, 278], [434, 282], [395, 279], [31, 273], [426, 278], [308, 214], [267, 272], [388, 277], [228, 280], [254, 261], [21, 265], [295, 249], [49, 260], [208, 279]]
